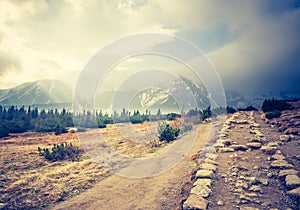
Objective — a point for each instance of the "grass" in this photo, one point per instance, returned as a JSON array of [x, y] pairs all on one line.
[[27, 180]]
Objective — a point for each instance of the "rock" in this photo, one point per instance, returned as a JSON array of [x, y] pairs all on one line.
[[203, 182], [248, 208], [211, 156], [226, 142], [195, 202], [239, 147], [220, 203], [254, 145], [292, 181], [255, 188], [281, 164], [209, 167], [223, 150], [3, 205], [207, 160], [201, 190], [264, 181], [268, 149], [292, 131], [286, 172], [295, 193], [219, 145], [284, 138], [277, 157], [204, 174]]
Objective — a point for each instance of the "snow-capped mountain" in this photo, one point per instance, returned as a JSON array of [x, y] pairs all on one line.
[[168, 96], [37, 92]]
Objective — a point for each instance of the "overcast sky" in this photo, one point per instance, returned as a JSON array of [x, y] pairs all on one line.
[[252, 43]]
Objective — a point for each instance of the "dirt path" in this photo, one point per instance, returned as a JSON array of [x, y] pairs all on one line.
[[165, 191]]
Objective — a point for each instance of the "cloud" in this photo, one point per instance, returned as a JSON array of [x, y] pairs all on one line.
[[9, 62], [248, 41]]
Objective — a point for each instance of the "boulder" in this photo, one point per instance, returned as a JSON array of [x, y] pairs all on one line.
[[292, 181], [195, 202]]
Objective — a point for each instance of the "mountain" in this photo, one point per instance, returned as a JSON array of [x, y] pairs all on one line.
[[43, 92], [170, 96]]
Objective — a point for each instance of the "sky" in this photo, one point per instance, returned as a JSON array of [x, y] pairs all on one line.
[[253, 44]]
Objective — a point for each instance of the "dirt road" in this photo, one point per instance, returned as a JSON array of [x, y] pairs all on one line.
[[165, 191]]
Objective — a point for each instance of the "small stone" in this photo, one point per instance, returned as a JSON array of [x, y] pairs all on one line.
[[195, 202], [278, 157], [292, 181], [255, 188], [254, 145], [3, 205], [239, 147], [281, 164], [284, 138], [204, 174], [224, 150], [220, 203], [283, 173], [207, 160], [264, 181], [295, 193], [248, 208], [270, 150]]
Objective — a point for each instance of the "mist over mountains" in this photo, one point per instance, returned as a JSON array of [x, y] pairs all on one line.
[[56, 94]]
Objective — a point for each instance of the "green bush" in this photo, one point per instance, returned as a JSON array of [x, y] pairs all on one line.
[[61, 152], [167, 132], [273, 114]]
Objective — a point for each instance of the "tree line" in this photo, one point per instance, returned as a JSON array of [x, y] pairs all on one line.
[[18, 120]]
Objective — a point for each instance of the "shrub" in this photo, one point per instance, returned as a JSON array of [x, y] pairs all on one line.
[[230, 110], [186, 128], [61, 152], [167, 132], [249, 108], [3, 131], [274, 104], [273, 114]]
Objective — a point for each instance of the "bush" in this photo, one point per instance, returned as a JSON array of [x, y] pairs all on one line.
[[61, 152], [3, 131], [186, 128], [274, 104], [230, 110], [273, 114], [249, 108], [167, 132]]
